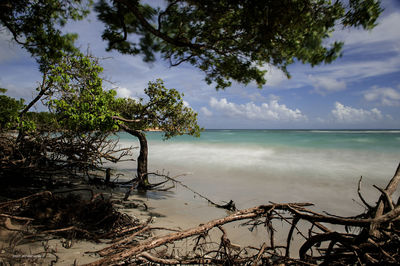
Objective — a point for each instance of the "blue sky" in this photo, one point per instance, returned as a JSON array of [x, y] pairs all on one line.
[[359, 90]]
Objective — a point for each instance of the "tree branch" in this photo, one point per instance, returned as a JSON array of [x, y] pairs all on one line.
[[390, 189], [13, 31], [43, 89], [135, 10], [126, 120]]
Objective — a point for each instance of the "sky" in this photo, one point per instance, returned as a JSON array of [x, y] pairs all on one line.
[[360, 90]]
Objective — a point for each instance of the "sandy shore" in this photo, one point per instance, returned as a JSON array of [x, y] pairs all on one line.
[[173, 214], [166, 209], [178, 208]]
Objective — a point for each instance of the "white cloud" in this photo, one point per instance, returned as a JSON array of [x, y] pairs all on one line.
[[123, 92], [370, 53], [205, 111], [386, 96], [272, 111], [255, 97], [274, 76], [386, 33], [358, 70], [324, 84], [347, 114]]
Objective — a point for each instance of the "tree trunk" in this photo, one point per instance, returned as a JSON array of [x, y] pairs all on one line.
[[43, 89], [142, 159]]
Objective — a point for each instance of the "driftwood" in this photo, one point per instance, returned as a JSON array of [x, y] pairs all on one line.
[[377, 238]]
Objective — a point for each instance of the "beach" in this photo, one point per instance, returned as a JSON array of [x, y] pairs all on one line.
[[257, 166], [253, 167], [250, 167]]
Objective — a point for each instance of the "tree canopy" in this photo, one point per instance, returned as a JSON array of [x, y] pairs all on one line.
[[228, 40], [164, 110], [75, 94], [232, 40], [36, 26], [9, 111]]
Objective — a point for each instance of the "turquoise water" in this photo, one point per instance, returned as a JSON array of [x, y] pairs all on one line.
[[367, 140], [257, 166]]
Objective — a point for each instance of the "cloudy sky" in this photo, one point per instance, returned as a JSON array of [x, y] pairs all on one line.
[[359, 90]]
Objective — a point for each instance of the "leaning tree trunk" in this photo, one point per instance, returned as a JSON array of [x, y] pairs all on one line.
[[142, 159], [43, 89]]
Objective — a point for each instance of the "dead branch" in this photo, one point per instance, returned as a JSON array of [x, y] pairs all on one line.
[[389, 200], [260, 253], [360, 196], [390, 189], [24, 199], [228, 206], [158, 241], [15, 217]]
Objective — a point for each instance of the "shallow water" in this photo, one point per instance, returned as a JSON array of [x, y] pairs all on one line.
[[255, 167]]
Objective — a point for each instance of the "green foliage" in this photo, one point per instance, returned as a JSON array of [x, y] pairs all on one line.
[[35, 25], [77, 95], [81, 104], [44, 121], [362, 13], [232, 40], [164, 110], [228, 40], [9, 111]]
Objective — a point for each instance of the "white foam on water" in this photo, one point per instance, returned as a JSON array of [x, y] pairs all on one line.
[[263, 158], [364, 140], [210, 155], [302, 162]]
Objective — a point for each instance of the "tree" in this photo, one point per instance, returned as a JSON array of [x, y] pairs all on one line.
[[164, 110], [77, 96], [228, 40], [9, 111], [44, 121], [36, 26], [233, 40]]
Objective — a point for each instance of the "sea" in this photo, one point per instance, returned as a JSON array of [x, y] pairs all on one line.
[[253, 167]]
